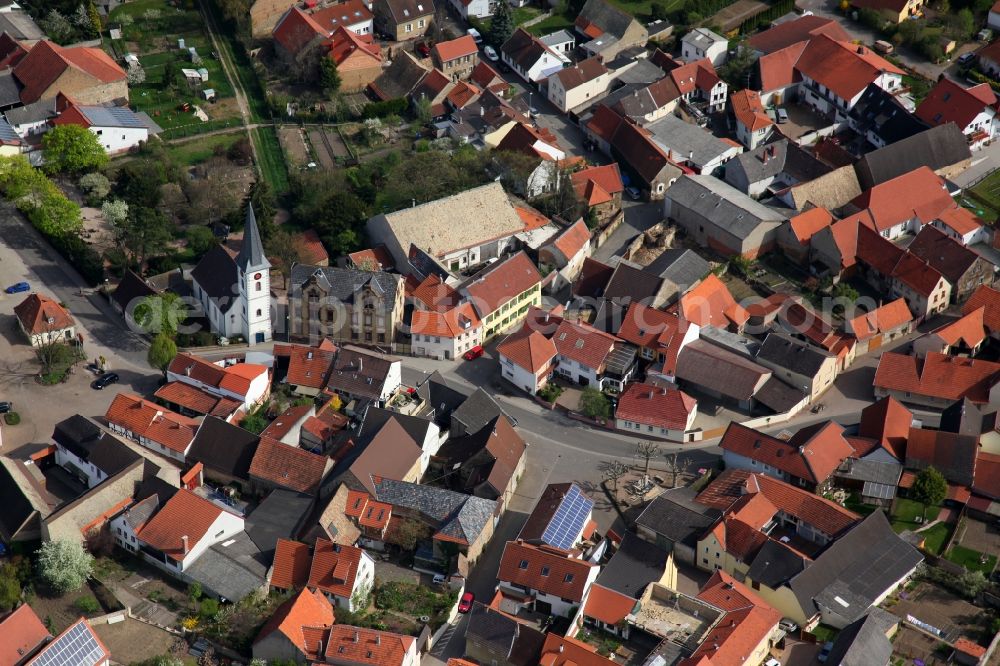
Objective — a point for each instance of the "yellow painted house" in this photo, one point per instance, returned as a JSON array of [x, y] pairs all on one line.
[[503, 292]]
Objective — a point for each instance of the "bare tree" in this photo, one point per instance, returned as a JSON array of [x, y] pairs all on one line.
[[614, 470], [676, 466], [647, 450]]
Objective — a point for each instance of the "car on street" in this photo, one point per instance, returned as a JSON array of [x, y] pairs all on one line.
[[465, 605], [473, 353], [634, 192], [824, 653], [105, 380], [782, 115], [491, 54], [6, 406], [18, 287]]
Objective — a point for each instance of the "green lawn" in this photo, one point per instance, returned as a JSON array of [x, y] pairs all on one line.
[[824, 633], [855, 504], [197, 151], [936, 536], [522, 14], [551, 24], [988, 192], [272, 159], [985, 212], [970, 559], [906, 512]]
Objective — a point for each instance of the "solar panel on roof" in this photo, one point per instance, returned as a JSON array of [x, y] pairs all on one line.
[[569, 519], [76, 647]]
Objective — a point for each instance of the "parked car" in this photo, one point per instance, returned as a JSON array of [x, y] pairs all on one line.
[[884, 47], [105, 380], [476, 37], [465, 605], [966, 58], [6, 406], [473, 353], [782, 115], [424, 49], [788, 626], [18, 287], [824, 653], [438, 579], [491, 54], [634, 192]]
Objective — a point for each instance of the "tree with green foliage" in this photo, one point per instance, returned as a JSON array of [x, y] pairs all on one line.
[[10, 588], [738, 69], [501, 24], [56, 26], [169, 77], [64, 565], [208, 608], [329, 76], [282, 246], [72, 149], [144, 233], [115, 212], [200, 239], [161, 352], [139, 181], [929, 488], [256, 420], [595, 404], [160, 314], [95, 18], [265, 205], [95, 186]]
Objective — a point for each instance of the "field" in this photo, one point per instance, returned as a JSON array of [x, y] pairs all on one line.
[[191, 153], [155, 41]]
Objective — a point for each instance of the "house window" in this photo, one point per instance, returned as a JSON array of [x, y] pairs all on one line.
[[257, 288], [523, 564], [568, 578], [545, 571], [420, 23], [258, 312], [408, 27]]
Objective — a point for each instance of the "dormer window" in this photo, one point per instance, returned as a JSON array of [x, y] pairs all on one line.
[[568, 578], [523, 564]]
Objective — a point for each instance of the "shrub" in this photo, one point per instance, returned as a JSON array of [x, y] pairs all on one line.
[[87, 605], [208, 609], [12, 418], [392, 107]]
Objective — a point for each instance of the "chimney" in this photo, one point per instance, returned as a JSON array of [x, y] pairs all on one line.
[[184, 542], [690, 154]]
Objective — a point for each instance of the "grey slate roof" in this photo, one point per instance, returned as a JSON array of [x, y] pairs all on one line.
[[376, 417], [458, 516], [873, 471], [277, 517], [474, 413], [879, 112], [223, 447], [557, 37], [131, 288], [788, 158], [630, 282], [634, 565], [966, 418], [252, 249], [216, 275], [791, 354], [91, 444], [17, 508], [683, 268], [727, 207], [232, 571], [502, 635], [439, 398], [775, 564], [20, 26], [10, 91], [672, 133], [607, 17], [778, 396], [675, 515], [864, 641], [360, 372], [858, 568], [141, 511], [935, 148], [35, 112], [343, 283], [642, 72]]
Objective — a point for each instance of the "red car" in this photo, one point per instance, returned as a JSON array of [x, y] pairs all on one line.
[[473, 353], [465, 605], [424, 49]]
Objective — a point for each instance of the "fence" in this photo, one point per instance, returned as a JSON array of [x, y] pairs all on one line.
[[110, 618]]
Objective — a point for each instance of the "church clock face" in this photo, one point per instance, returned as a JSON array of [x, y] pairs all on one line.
[[256, 276]]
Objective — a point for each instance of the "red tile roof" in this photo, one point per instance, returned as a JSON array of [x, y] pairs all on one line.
[[349, 12], [435, 294], [196, 400], [449, 324], [919, 193], [711, 304], [291, 565], [968, 330], [937, 376], [40, 314], [529, 350], [842, 66], [184, 514], [148, 420], [608, 606], [960, 220], [456, 48], [989, 298], [777, 69], [565, 651], [880, 320], [749, 110], [334, 568], [987, 476], [917, 274], [805, 225], [658, 406], [813, 453], [47, 61], [503, 281], [583, 343], [288, 466], [531, 218], [747, 623], [235, 378], [294, 619], [801, 29], [969, 647], [949, 102], [378, 257], [296, 29], [572, 239], [547, 569], [604, 122], [285, 421], [598, 184], [21, 633], [345, 44], [887, 422], [354, 645]]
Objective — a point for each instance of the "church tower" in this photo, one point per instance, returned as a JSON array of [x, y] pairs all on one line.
[[253, 278]]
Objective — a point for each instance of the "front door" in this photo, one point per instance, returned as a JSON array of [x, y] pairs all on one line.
[[259, 338]]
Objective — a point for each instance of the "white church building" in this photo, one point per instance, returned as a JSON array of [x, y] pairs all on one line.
[[235, 291]]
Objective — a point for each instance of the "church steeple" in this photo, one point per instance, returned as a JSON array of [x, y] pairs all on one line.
[[251, 254]]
